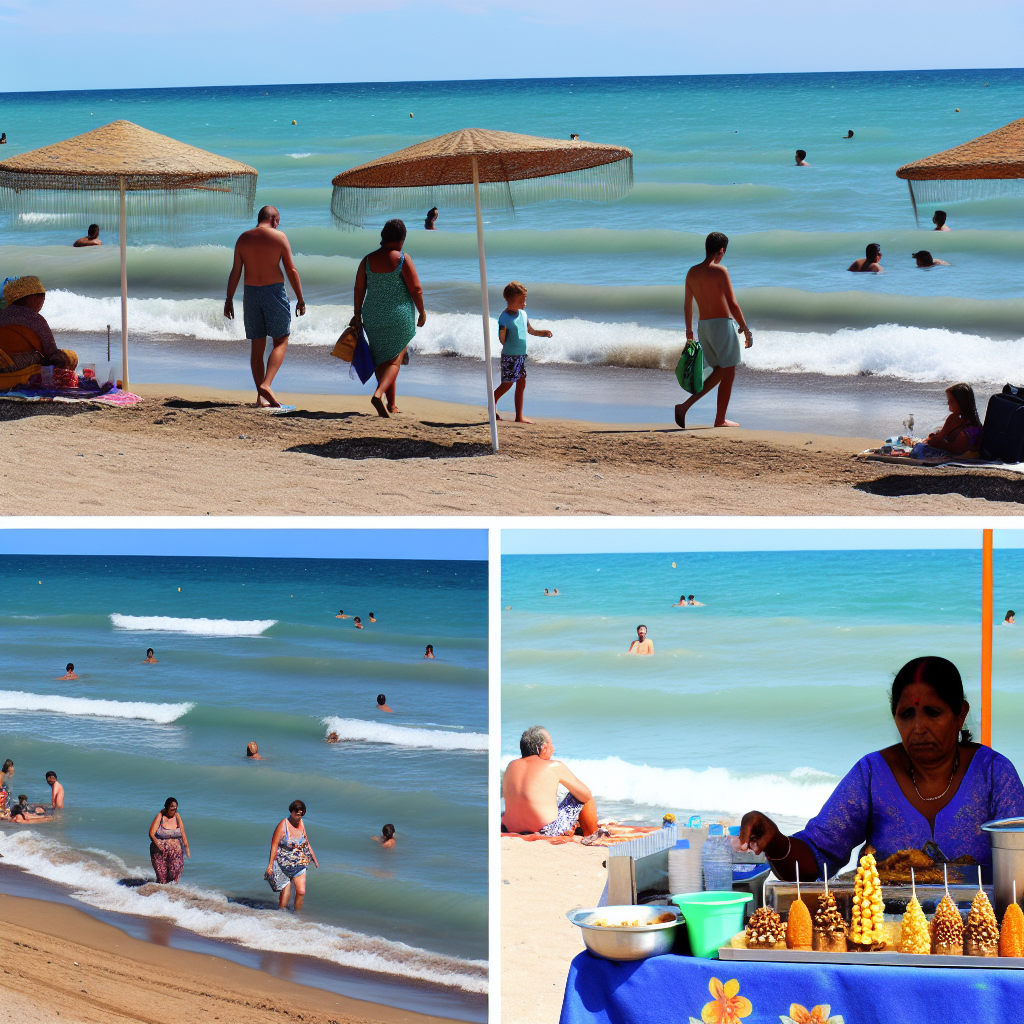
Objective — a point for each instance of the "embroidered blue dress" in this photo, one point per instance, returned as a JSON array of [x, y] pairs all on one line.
[[869, 806]]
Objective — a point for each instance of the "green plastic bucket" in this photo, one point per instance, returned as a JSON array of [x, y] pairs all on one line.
[[712, 919]]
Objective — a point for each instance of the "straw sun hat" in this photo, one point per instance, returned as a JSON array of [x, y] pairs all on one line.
[[18, 287]]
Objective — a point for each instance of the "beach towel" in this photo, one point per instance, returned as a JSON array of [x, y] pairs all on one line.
[[362, 361], [106, 395], [609, 833], [900, 455]]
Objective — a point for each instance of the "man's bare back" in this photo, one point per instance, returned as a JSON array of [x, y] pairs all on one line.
[[530, 788], [711, 288], [261, 250]]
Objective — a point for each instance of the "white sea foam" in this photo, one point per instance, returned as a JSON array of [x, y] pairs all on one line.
[[887, 350], [94, 880], [799, 793], [196, 627], [299, 156], [358, 731], [15, 700]]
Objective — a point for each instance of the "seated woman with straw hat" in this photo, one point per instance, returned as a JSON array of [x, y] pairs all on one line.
[[26, 341]]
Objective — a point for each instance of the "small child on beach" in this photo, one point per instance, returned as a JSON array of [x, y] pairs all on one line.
[[513, 327]]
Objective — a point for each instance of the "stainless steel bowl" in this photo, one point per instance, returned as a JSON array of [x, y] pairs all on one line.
[[622, 942], [1006, 836]]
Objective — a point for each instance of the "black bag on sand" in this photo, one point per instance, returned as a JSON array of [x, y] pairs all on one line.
[[1003, 437]]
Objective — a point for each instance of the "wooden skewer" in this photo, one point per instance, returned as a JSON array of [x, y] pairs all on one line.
[[798, 879], [979, 877], [825, 864], [945, 878], [913, 884]]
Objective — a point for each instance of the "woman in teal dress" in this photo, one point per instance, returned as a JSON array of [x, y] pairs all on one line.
[[387, 289]]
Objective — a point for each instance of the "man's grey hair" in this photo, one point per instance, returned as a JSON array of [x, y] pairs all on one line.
[[533, 740]]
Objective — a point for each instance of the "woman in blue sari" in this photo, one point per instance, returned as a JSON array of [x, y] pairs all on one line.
[[935, 785]]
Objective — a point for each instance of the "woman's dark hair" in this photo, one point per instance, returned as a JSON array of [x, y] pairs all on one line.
[[1010, 614], [430, 647], [8, 764], [167, 803], [296, 805], [964, 395], [71, 667], [393, 231], [16, 810], [925, 255], [149, 651], [381, 699], [938, 673], [387, 831]]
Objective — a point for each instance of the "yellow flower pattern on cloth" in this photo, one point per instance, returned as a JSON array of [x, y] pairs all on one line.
[[727, 1005], [819, 1015]]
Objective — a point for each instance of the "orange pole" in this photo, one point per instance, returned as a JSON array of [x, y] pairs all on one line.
[[986, 638]]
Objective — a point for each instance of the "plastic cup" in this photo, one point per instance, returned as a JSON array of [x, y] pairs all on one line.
[[712, 919]]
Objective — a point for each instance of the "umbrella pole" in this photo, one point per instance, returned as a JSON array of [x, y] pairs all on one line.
[[986, 638], [491, 412], [124, 290], [913, 201]]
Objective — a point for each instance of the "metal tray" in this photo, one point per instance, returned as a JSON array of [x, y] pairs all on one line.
[[796, 956]]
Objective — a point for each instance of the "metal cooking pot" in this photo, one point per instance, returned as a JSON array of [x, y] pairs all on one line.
[[1006, 836], [622, 942]]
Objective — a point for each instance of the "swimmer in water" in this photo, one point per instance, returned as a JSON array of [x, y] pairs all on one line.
[[332, 737], [253, 751], [34, 809], [69, 673], [801, 158], [56, 791], [696, 604], [641, 645], [357, 622], [382, 703], [386, 837], [681, 603], [372, 619], [429, 652], [869, 263], [150, 660], [341, 614], [546, 592], [925, 259], [554, 593], [849, 133], [939, 220], [1011, 618]]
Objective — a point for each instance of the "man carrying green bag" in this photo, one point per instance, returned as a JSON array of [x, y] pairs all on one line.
[[718, 342]]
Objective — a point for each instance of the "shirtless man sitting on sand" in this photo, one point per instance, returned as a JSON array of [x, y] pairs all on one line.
[[530, 788], [708, 282], [641, 645], [261, 251]]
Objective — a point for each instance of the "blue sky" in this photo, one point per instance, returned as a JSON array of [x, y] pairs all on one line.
[[626, 541], [63, 44], [461, 545]]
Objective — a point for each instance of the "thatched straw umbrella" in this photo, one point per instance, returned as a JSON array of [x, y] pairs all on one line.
[[486, 169], [990, 165], [122, 169]]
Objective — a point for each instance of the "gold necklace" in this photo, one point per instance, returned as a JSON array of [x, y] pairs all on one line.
[[952, 775]]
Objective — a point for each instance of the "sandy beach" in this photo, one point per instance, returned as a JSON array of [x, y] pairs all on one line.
[[540, 883], [188, 450], [68, 966]]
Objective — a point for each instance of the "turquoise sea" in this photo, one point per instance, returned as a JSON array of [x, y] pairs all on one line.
[[765, 696], [710, 153], [250, 649]]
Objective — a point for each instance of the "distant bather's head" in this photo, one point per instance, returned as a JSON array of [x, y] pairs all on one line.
[[269, 215], [381, 700], [1011, 617], [93, 232], [641, 631], [924, 258], [252, 749], [70, 667], [872, 251], [715, 242], [533, 741], [388, 832], [801, 154], [393, 232], [939, 218]]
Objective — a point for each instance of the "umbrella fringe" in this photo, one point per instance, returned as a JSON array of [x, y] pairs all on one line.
[[937, 190], [74, 197], [353, 207]]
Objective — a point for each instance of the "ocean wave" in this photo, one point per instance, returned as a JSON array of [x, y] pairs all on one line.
[[16, 700], [298, 156], [196, 627], [800, 793], [356, 730], [95, 881]]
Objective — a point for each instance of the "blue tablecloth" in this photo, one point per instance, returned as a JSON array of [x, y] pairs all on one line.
[[678, 988]]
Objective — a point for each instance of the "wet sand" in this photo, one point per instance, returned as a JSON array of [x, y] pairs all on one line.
[[59, 964], [198, 451], [190, 450]]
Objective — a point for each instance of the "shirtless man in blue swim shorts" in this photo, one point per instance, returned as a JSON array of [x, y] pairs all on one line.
[[261, 251], [708, 283], [530, 789]]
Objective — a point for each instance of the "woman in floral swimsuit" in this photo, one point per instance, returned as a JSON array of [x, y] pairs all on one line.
[[168, 844], [290, 852]]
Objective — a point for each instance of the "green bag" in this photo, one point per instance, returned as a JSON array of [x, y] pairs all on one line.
[[690, 368]]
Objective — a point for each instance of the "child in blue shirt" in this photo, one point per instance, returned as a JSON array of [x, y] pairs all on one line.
[[513, 327]]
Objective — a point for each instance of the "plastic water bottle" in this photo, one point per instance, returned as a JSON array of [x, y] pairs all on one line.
[[717, 861]]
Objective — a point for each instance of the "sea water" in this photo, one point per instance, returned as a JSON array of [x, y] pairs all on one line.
[[710, 153], [762, 698], [250, 649]]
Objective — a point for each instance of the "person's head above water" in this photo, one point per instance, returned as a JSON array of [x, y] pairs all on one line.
[[801, 155], [641, 631], [533, 741], [939, 218], [388, 832], [849, 133], [430, 649], [149, 652], [872, 252], [715, 242], [927, 697], [381, 699], [923, 258], [93, 232], [252, 749], [51, 776], [1011, 615], [70, 667], [269, 215], [393, 233], [8, 766]]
